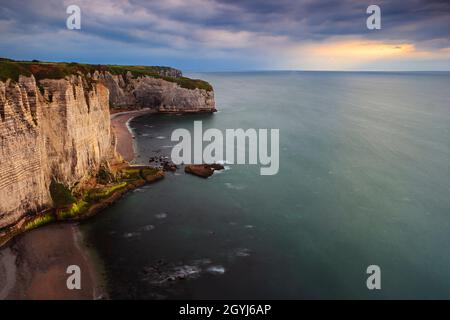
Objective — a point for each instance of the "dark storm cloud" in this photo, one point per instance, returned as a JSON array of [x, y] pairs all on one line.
[[298, 19], [31, 16], [414, 19], [181, 26]]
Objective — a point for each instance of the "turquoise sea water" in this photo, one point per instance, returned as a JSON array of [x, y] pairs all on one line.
[[364, 179]]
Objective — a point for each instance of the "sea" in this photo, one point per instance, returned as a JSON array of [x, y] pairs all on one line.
[[364, 180]]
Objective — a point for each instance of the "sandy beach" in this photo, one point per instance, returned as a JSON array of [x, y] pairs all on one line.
[[119, 124], [34, 264]]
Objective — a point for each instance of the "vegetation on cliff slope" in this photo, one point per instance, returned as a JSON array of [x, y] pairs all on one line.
[[88, 203], [40, 220], [61, 195], [11, 69], [127, 179]]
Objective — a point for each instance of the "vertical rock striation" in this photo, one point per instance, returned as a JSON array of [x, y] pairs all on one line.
[[59, 129], [127, 91]]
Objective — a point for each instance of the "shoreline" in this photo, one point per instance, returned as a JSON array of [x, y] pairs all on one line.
[[36, 264], [33, 265], [96, 268], [123, 133]]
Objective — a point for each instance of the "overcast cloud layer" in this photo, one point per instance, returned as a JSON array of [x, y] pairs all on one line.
[[232, 34]]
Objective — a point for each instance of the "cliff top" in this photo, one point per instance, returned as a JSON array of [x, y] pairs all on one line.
[[11, 69]]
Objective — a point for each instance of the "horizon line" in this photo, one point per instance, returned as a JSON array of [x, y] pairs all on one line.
[[236, 71], [318, 70]]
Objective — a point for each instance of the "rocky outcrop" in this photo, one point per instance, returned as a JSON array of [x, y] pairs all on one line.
[[203, 170], [169, 72], [58, 129], [55, 124], [127, 91]]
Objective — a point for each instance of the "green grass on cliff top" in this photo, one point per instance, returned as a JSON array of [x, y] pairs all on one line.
[[11, 69]]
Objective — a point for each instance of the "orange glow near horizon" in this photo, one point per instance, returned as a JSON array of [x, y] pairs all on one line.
[[349, 54], [363, 50]]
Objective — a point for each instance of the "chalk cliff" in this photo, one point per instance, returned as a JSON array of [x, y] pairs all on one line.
[[55, 123], [62, 132], [127, 91]]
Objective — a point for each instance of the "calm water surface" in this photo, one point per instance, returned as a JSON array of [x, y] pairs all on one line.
[[364, 179]]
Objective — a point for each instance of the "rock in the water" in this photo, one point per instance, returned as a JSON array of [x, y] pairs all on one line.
[[203, 170], [169, 166]]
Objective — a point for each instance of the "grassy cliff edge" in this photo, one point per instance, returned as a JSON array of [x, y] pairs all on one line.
[[12, 69]]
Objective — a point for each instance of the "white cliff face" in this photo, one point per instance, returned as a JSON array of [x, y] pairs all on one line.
[[167, 96], [61, 129], [62, 133], [159, 94]]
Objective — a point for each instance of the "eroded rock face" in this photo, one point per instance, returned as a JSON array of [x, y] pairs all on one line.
[[147, 92], [60, 129]]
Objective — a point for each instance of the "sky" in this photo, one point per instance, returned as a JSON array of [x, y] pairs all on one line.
[[232, 35]]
